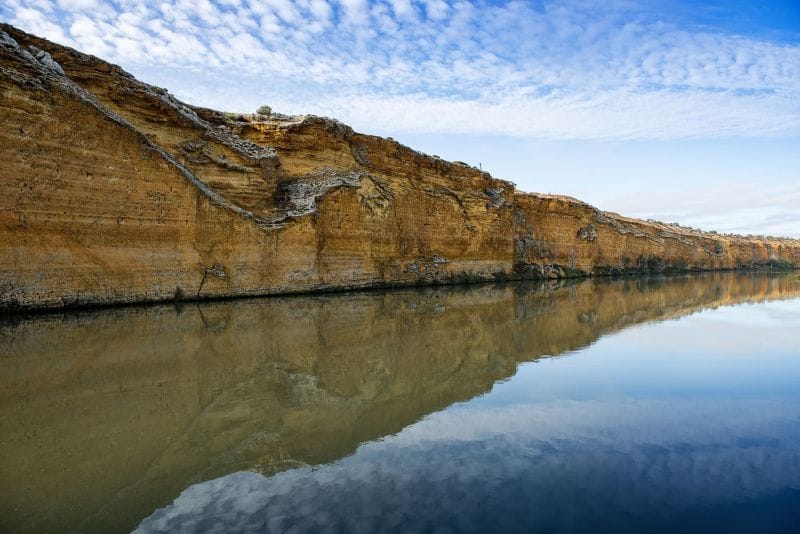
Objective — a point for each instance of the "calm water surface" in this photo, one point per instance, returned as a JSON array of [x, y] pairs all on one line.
[[629, 405]]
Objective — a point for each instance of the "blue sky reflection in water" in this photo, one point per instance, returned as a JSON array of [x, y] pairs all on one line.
[[685, 424]]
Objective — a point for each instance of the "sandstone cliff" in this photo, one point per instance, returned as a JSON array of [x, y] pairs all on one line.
[[113, 191]]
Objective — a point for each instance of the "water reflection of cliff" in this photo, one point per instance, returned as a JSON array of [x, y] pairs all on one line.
[[107, 415]]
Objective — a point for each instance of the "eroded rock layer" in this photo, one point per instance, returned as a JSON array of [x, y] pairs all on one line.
[[113, 191]]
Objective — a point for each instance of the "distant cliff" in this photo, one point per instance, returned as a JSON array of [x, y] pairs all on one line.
[[112, 191]]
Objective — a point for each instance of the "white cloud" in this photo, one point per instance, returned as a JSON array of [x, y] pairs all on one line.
[[79, 5], [356, 11], [551, 70], [403, 9], [436, 9], [614, 113], [321, 9], [37, 20], [739, 208]]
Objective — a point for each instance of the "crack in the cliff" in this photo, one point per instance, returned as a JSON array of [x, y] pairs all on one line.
[[217, 270]]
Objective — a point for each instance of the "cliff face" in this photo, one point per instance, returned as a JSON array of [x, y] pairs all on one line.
[[113, 191]]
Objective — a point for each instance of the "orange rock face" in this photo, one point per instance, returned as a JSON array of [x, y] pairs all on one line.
[[113, 191]]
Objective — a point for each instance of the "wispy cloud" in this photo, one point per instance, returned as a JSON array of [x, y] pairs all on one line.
[[738, 208], [543, 69]]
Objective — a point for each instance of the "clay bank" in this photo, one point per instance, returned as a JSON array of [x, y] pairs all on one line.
[[112, 191]]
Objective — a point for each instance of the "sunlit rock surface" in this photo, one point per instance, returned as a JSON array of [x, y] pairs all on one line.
[[112, 191]]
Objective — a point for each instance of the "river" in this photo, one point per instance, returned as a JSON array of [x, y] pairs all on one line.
[[639, 404]]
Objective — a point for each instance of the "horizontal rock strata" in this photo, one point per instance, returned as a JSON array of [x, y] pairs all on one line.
[[113, 191]]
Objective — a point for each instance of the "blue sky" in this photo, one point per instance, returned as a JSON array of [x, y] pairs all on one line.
[[681, 111]]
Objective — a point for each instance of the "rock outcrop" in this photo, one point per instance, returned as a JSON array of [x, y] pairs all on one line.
[[113, 191]]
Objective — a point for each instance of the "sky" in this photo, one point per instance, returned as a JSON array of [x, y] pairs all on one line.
[[682, 111]]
